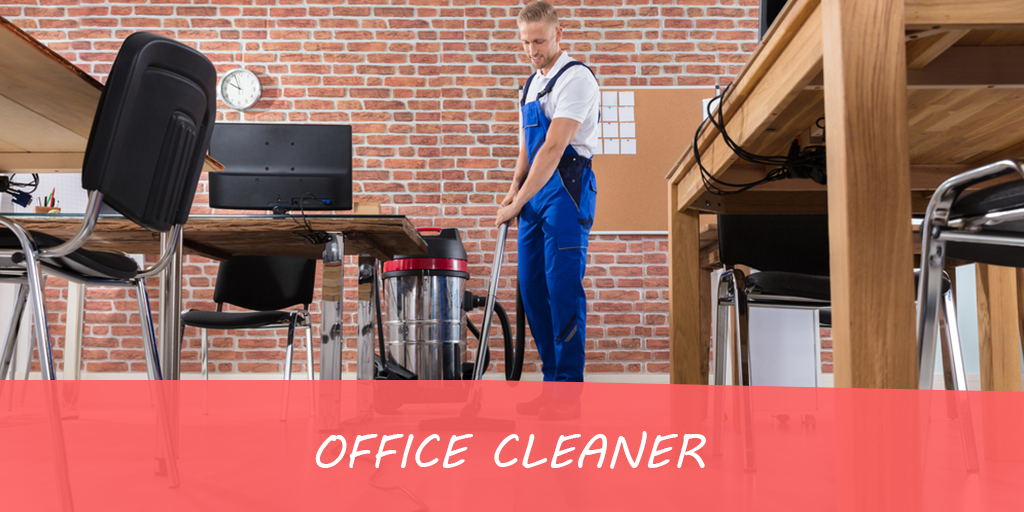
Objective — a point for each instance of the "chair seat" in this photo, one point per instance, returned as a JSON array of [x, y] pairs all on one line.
[[1001, 197], [83, 262], [233, 320], [806, 286]]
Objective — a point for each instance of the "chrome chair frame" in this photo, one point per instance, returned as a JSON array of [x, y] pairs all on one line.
[[734, 292], [36, 267], [937, 229]]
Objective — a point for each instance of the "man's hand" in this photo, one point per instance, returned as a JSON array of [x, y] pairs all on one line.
[[511, 196], [507, 213]]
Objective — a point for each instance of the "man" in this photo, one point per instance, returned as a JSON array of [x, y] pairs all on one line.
[[553, 195]]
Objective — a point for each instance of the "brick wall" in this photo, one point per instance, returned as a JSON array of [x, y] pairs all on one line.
[[429, 87]]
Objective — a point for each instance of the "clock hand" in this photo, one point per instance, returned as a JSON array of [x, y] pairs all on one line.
[[235, 83]]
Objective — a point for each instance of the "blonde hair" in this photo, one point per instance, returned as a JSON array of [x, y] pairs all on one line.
[[537, 11]]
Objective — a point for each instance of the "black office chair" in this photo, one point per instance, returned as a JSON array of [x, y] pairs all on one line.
[[983, 226], [265, 285], [145, 153], [791, 253], [149, 138]]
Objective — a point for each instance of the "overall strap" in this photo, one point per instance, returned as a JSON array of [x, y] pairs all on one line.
[[526, 90]]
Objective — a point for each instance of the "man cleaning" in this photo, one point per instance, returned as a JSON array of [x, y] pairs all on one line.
[[553, 194]]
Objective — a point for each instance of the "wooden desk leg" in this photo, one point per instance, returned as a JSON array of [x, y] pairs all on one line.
[[997, 328], [1000, 359], [685, 344], [869, 194], [873, 332]]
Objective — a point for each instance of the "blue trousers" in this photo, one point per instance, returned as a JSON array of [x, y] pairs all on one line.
[[554, 228]]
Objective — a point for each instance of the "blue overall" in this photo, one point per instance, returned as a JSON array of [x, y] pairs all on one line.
[[553, 230]]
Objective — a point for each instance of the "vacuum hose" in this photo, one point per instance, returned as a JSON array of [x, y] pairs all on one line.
[[513, 355]]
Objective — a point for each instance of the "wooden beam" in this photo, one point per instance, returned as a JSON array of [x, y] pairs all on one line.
[[792, 21], [685, 344], [964, 67], [932, 14], [869, 195], [41, 162], [782, 84], [786, 202], [921, 51]]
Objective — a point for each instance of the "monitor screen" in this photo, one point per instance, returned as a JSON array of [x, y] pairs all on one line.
[[282, 167], [770, 10]]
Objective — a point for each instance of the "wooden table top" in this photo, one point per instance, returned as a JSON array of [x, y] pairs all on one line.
[[46, 107], [965, 103], [221, 236]]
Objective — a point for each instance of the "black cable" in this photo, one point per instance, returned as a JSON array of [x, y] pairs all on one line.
[[506, 334], [810, 162], [517, 372], [311, 236]]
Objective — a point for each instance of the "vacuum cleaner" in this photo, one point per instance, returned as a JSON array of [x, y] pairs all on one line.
[[427, 305]]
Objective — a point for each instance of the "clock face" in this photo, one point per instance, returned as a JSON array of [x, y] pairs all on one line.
[[240, 89]]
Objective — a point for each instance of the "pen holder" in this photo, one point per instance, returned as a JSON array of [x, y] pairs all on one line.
[[47, 209]]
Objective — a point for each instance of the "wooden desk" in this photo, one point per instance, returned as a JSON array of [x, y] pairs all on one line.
[[46, 107], [912, 91], [222, 236]]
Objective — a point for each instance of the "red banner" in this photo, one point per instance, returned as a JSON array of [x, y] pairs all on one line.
[[442, 446]]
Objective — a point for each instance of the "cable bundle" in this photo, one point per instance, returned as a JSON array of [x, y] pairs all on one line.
[[807, 163]]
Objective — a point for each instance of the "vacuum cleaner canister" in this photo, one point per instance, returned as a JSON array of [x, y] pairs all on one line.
[[425, 328]]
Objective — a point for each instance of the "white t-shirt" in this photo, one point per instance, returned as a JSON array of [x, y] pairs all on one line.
[[576, 96]]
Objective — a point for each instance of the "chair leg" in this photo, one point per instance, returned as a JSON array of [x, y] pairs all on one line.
[[7, 354], [309, 348], [148, 334], [309, 364], [929, 298], [288, 365], [721, 343], [206, 354], [743, 336], [36, 282], [955, 356]]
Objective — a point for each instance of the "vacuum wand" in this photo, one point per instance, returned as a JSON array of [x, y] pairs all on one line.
[[492, 296]]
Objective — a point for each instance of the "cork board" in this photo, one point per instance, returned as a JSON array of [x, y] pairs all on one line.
[[631, 188]]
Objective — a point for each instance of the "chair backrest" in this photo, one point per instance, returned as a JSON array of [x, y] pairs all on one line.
[[265, 283], [152, 131], [782, 243]]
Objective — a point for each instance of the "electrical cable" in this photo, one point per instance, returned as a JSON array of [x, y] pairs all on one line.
[[311, 236], [806, 163]]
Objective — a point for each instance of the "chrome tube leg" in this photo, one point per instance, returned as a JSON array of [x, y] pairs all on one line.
[[170, 309], [148, 335], [366, 336], [721, 344], [36, 295], [929, 293], [7, 354], [743, 336], [288, 366], [205, 370], [206, 354], [309, 364], [331, 341], [954, 353]]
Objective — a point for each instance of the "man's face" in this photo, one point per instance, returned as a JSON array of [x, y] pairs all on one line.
[[540, 42]]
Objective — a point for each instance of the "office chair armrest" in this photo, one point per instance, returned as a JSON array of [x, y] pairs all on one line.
[[940, 206], [166, 258], [92, 215]]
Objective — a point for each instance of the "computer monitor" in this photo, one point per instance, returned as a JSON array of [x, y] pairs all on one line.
[[770, 10], [282, 167]]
